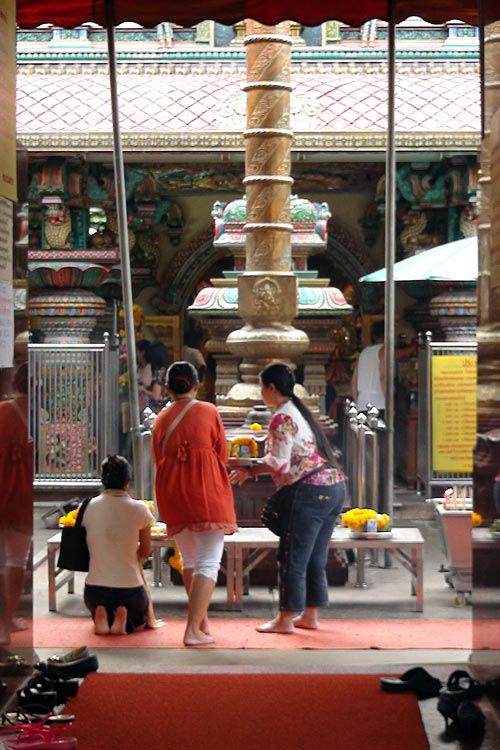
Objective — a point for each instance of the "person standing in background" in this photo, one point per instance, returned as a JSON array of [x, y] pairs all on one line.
[[144, 372], [159, 359], [368, 378]]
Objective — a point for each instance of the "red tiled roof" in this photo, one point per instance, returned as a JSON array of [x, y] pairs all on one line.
[[199, 103]]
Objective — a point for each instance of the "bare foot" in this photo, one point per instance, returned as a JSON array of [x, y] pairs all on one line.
[[120, 622], [301, 621], [19, 623], [204, 627], [101, 625], [276, 626], [199, 638], [155, 624]]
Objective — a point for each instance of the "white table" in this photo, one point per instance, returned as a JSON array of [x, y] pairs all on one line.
[[247, 547]]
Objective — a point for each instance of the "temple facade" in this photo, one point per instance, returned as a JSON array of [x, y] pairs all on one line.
[[182, 109]]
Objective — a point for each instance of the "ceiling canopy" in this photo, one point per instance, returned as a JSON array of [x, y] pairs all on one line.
[[71, 13]]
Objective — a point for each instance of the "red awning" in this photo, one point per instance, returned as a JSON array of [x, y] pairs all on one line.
[[71, 13]]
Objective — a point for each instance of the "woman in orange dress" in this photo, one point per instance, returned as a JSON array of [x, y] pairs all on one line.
[[193, 492], [16, 502]]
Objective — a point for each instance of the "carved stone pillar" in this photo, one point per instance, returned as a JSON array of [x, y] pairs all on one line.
[[488, 333], [486, 558], [267, 291]]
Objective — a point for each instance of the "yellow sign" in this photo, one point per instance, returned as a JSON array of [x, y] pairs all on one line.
[[454, 412], [8, 182]]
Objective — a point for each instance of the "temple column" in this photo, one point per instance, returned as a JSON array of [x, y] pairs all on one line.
[[486, 558], [268, 288], [488, 332]]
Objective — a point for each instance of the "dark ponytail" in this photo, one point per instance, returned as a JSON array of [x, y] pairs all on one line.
[[282, 377]]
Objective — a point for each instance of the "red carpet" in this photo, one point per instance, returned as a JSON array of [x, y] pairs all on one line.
[[271, 712], [236, 633]]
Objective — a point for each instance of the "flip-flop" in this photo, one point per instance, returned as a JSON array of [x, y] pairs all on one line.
[[416, 680], [37, 736]]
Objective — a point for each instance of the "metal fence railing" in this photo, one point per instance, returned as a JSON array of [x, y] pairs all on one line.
[[73, 410], [364, 452]]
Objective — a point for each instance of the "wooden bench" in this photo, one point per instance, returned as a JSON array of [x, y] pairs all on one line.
[[249, 546]]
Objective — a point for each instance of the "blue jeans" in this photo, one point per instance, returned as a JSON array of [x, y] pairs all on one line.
[[303, 548]]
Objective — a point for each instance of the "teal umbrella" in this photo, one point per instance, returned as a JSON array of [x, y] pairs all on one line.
[[454, 261]]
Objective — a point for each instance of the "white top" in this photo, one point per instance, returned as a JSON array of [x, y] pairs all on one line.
[[194, 356], [113, 521], [369, 381]]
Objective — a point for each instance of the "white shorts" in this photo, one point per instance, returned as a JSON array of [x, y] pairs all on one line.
[[201, 551]]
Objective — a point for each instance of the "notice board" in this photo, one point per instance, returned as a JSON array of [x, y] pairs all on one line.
[[454, 412]]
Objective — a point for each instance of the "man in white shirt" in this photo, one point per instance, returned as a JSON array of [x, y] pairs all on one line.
[[368, 378]]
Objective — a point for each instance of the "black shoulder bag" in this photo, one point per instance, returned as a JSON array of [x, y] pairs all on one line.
[[277, 508], [74, 553]]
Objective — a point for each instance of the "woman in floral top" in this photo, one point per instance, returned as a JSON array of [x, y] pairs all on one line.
[[296, 446]]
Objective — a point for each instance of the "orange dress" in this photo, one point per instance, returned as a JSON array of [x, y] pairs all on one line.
[[16, 467], [192, 484]]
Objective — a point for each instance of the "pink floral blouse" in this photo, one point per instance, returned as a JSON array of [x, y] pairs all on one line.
[[291, 450]]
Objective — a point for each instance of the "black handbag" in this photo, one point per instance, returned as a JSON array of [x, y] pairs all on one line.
[[276, 511], [73, 552]]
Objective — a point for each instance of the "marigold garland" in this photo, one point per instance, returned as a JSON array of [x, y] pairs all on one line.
[[243, 446], [356, 519]]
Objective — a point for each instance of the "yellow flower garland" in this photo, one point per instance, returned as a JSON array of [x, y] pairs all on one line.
[[243, 446], [356, 519]]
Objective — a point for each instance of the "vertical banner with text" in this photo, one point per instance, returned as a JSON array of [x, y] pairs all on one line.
[[8, 184], [454, 412]]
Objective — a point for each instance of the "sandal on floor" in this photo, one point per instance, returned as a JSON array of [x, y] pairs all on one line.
[[35, 737], [416, 680]]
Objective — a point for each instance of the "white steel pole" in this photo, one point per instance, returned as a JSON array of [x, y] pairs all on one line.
[[390, 254], [121, 208]]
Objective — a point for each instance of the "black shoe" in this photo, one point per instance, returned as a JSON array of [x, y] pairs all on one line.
[[460, 682], [72, 656], [36, 699], [65, 689], [416, 680], [466, 717], [470, 719], [491, 688], [77, 663]]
